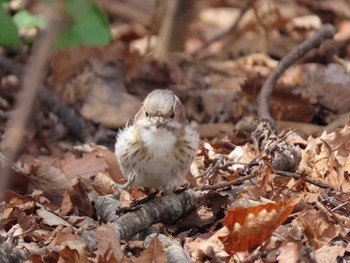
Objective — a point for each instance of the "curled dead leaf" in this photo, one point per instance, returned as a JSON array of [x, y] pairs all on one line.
[[249, 227]]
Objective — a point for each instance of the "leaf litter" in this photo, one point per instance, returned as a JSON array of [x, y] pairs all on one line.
[[53, 208]]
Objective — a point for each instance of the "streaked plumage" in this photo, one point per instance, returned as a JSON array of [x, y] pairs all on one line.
[[157, 149]]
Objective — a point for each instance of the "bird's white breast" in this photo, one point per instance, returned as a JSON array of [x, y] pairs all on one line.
[[159, 165], [159, 142]]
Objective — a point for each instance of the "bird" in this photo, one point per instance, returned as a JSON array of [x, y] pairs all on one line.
[[157, 148]]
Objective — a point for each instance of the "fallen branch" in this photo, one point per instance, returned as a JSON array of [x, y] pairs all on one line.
[[166, 209], [325, 32]]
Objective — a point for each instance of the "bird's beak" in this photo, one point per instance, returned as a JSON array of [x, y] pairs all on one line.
[[160, 123]]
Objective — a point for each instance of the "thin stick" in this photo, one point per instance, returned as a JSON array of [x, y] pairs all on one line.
[[225, 184], [339, 206], [325, 32], [227, 32], [15, 132], [309, 180], [335, 216]]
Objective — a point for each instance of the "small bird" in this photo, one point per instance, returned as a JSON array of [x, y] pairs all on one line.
[[157, 149]]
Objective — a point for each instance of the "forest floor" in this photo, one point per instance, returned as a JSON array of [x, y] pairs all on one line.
[[266, 186]]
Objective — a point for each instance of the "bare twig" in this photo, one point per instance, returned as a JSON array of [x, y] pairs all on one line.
[[14, 135], [231, 164], [325, 32], [245, 8], [339, 206], [335, 216], [225, 184], [309, 180], [212, 167], [272, 146]]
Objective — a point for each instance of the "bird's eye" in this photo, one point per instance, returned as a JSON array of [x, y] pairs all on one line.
[[172, 115], [146, 114]]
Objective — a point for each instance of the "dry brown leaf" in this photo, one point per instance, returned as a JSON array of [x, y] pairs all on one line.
[[265, 180], [26, 222], [324, 160], [74, 251], [50, 179], [249, 227], [50, 218], [210, 151], [25, 203], [200, 218], [103, 184], [243, 154], [113, 166], [153, 253], [80, 200], [95, 82], [88, 165], [319, 227], [207, 245], [289, 253], [67, 206], [216, 94], [286, 103], [329, 253], [108, 245], [63, 235], [69, 62], [109, 107], [327, 86], [82, 222], [339, 141], [344, 176]]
